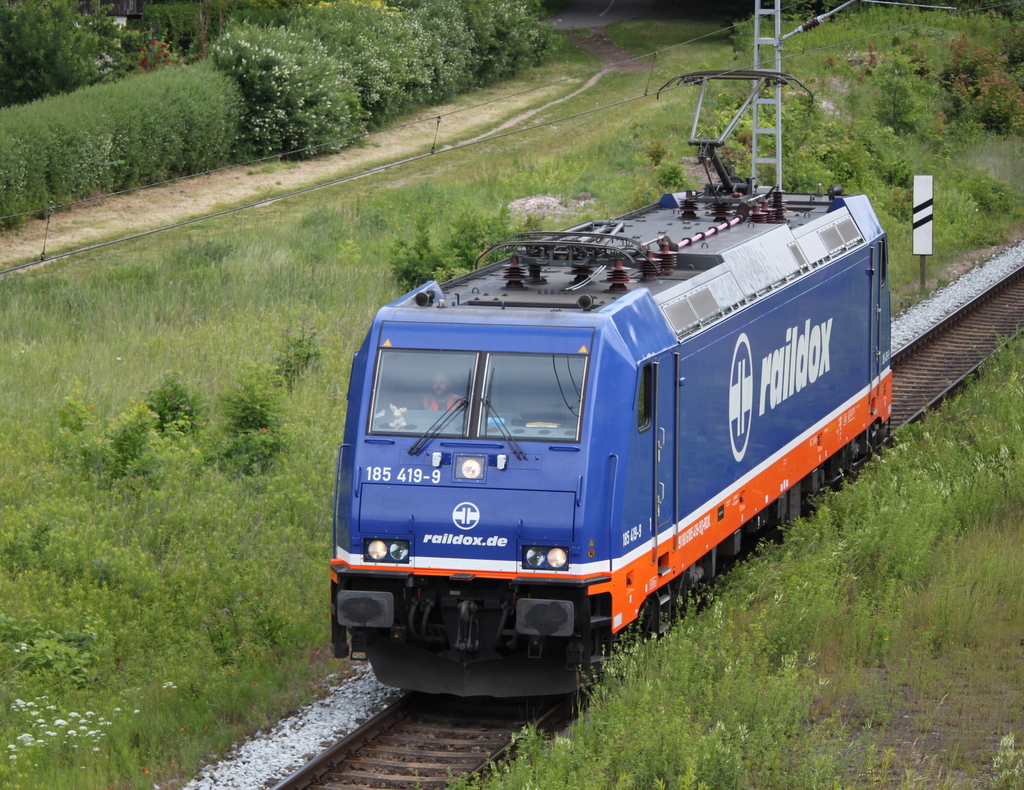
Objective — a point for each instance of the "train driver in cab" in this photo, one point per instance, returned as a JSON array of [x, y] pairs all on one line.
[[441, 398]]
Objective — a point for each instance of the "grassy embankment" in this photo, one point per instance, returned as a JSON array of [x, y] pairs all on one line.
[[141, 569]]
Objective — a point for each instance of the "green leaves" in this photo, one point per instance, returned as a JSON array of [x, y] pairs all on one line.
[[44, 50], [427, 258], [116, 136], [27, 646], [253, 415], [178, 405], [295, 95]]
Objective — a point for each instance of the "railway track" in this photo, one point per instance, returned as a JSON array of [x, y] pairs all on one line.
[[936, 364], [425, 742]]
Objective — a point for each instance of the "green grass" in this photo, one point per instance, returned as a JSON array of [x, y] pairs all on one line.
[[186, 573]]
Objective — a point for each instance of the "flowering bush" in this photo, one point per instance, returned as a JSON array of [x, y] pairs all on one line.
[[507, 35], [425, 50], [295, 94], [155, 55], [383, 50]]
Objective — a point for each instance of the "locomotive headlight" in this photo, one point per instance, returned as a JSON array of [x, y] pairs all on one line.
[[470, 467], [557, 557], [378, 550], [546, 558], [534, 556]]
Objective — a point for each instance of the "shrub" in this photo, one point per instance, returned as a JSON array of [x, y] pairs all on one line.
[[296, 96], [426, 50], [670, 177], [48, 47], [981, 91], [130, 438], [447, 43], [253, 416], [58, 656], [300, 351], [178, 405], [381, 48], [656, 151], [507, 35], [253, 452], [253, 403], [900, 103], [247, 625], [120, 135], [176, 23], [126, 448], [424, 260]]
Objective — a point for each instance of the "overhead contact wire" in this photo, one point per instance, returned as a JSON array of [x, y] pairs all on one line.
[[342, 141], [437, 120]]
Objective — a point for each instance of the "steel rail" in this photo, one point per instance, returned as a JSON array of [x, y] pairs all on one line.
[[413, 744], [937, 363]]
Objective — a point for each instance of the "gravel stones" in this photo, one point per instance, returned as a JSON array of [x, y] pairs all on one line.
[[547, 205], [268, 757], [918, 319]]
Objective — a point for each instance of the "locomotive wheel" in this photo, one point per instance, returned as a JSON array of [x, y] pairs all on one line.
[[647, 617]]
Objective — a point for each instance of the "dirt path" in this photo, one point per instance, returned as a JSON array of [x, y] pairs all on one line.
[[146, 209]]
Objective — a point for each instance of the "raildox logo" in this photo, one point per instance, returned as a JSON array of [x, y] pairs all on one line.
[[798, 363], [801, 361], [741, 396], [466, 515]]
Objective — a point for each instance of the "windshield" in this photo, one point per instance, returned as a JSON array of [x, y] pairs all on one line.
[[533, 396], [414, 388]]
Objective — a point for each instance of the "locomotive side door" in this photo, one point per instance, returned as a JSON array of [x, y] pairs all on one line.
[[878, 291], [666, 388], [877, 272]]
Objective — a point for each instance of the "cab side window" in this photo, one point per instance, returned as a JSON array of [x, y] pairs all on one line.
[[645, 398]]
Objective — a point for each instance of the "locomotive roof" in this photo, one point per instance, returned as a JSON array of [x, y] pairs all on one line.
[[718, 264]]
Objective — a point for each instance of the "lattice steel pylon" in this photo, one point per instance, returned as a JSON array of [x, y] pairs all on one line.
[[766, 137]]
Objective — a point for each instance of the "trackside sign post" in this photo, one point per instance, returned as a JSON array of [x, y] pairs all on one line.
[[924, 213]]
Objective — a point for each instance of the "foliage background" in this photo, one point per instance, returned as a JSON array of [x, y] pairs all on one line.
[[306, 80]]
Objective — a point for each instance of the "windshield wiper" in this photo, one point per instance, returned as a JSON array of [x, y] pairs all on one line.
[[439, 425], [499, 423]]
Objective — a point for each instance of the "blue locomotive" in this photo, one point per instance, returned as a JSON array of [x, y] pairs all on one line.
[[565, 441]]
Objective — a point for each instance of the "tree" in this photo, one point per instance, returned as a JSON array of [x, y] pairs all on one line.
[[48, 47]]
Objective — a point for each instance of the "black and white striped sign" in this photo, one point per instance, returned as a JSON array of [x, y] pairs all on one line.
[[924, 213]]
